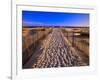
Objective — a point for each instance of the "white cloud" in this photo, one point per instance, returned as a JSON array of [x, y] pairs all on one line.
[[26, 23]]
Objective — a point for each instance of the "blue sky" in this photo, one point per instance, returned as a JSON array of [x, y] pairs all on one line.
[[36, 18]]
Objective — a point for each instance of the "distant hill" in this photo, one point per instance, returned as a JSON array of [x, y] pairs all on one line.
[[56, 26]]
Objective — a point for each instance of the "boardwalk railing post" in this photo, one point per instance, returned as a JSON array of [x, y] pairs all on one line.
[[72, 38]]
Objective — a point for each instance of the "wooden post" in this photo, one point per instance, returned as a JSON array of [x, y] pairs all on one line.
[[72, 38], [67, 34]]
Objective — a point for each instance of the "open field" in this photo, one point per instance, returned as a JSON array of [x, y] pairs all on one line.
[[55, 47]]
